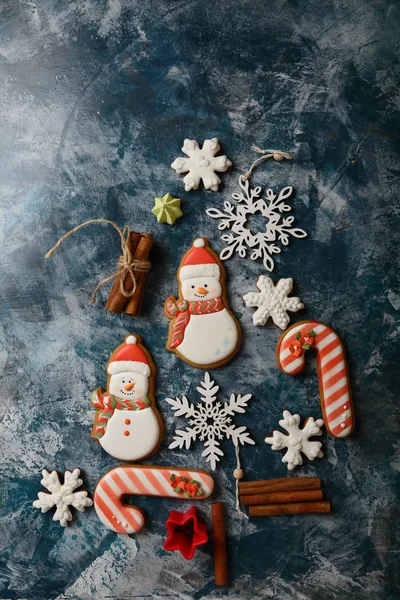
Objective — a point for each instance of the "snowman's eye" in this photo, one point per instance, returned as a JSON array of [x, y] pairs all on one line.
[[205, 285], [192, 287], [123, 381]]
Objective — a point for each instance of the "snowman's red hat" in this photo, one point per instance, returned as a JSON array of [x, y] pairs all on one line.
[[129, 358], [199, 262]]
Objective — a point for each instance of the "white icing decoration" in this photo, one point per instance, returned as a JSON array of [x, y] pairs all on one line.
[[210, 421], [272, 301], [62, 496], [209, 338], [298, 439], [199, 243], [144, 433], [241, 239], [131, 339], [201, 164]]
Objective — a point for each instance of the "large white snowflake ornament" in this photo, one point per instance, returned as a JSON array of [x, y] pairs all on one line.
[[272, 301], [201, 164], [62, 496], [297, 441], [210, 421], [261, 243]]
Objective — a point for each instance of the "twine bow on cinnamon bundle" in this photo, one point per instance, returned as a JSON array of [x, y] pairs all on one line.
[[127, 293]]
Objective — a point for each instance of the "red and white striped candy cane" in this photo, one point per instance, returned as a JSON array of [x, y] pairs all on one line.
[[137, 480], [334, 385]]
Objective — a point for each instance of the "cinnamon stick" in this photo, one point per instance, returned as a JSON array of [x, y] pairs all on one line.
[[297, 508], [139, 246], [135, 302], [116, 300], [285, 484], [219, 541], [281, 497]]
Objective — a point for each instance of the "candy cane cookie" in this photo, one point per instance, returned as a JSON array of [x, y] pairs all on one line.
[[333, 377], [138, 480]]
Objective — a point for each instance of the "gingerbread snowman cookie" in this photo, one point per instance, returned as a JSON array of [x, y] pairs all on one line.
[[203, 331], [127, 424]]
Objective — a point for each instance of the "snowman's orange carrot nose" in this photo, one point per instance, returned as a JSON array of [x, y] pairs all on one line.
[[202, 290], [129, 386]]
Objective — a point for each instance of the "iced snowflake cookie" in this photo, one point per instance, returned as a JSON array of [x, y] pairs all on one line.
[[210, 421], [297, 441], [261, 244], [203, 332], [137, 480], [127, 423], [201, 164], [333, 377], [62, 496], [272, 301]]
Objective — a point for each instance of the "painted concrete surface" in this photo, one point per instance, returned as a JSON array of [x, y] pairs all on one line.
[[96, 99]]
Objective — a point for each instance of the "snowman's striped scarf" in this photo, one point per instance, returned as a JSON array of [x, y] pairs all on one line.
[[106, 404], [182, 309]]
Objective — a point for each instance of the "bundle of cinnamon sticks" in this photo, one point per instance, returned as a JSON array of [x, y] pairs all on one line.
[[285, 496], [139, 245]]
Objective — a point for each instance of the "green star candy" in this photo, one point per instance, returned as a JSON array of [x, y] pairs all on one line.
[[167, 209]]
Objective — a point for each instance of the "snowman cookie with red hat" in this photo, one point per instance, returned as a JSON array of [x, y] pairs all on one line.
[[127, 423], [203, 331]]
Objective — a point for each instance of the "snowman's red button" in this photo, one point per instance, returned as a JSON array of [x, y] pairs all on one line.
[[127, 421], [126, 432]]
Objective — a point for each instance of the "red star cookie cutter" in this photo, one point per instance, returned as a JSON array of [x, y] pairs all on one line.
[[185, 532]]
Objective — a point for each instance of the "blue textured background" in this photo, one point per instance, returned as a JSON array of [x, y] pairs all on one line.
[[96, 98]]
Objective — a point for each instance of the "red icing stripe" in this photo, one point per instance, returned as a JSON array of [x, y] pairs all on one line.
[[327, 368], [116, 499], [337, 395], [156, 484], [331, 346], [347, 423], [138, 524], [328, 383], [338, 412], [143, 490], [109, 514], [167, 475]]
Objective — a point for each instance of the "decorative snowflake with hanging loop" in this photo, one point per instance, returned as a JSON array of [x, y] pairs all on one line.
[[210, 421], [263, 243]]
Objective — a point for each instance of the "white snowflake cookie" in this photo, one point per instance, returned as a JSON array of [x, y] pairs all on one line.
[[262, 243], [62, 496], [210, 421], [272, 301], [201, 164], [297, 441]]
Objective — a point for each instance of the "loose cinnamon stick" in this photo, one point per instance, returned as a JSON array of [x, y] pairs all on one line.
[[297, 508], [281, 497], [135, 302], [285, 484], [219, 541]]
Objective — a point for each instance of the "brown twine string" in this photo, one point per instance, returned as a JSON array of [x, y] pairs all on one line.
[[126, 263], [277, 155]]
